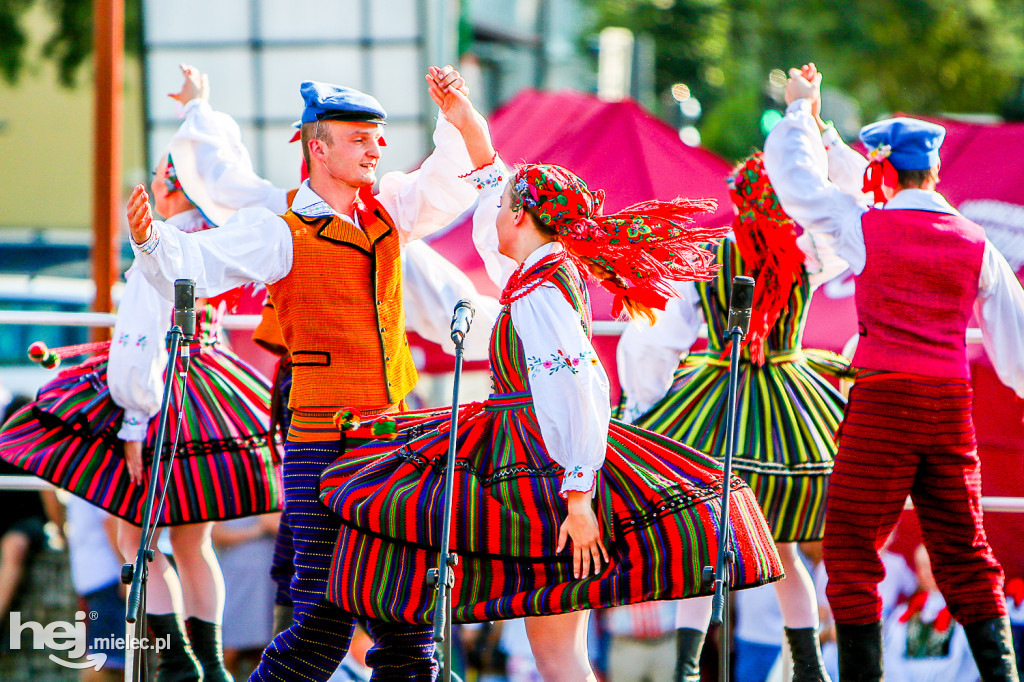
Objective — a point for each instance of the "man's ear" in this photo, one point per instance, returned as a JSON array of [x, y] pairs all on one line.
[[316, 148]]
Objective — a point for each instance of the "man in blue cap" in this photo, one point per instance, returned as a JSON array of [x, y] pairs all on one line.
[[331, 264], [921, 270]]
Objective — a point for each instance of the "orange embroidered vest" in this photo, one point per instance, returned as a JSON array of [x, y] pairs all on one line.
[[341, 314], [268, 334]]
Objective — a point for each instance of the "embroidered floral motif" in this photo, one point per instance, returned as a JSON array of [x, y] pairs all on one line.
[[141, 342], [132, 421], [577, 472], [561, 360], [493, 174], [880, 153], [123, 338]]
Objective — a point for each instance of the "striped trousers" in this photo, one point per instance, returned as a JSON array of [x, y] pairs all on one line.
[[312, 648], [906, 434]]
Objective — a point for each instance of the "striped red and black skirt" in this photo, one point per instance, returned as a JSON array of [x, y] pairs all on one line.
[[224, 465], [658, 503]]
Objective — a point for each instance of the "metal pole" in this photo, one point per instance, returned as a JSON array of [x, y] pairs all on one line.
[[108, 22]]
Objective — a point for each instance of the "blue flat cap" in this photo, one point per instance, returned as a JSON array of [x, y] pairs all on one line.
[[911, 144], [326, 102]]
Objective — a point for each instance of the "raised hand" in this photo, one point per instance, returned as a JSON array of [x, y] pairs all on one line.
[[196, 85], [450, 93], [810, 72], [804, 83], [140, 215]]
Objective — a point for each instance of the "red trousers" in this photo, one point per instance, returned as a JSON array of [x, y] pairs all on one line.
[[905, 434]]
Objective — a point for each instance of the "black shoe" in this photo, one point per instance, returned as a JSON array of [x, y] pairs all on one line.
[[860, 652], [176, 662], [206, 642], [991, 644], [689, 643], [806, 651]]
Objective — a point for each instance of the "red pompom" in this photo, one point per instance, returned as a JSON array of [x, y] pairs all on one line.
[[38, 351]]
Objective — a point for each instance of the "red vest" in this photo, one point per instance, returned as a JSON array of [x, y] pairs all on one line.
[[341, 314], [917, 291]]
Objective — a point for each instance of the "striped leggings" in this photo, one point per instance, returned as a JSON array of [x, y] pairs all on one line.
[[906, 434], [312, 648]]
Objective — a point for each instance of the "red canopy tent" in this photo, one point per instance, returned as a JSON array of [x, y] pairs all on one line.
[[615, 146]]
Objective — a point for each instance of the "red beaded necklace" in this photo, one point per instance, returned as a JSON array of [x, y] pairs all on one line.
[[521, 283]]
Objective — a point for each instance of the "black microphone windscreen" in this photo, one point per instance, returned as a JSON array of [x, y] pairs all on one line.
[[184, 294], [741, 300], [185, 306], [742, 293]]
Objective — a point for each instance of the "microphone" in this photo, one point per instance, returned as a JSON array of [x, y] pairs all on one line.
[[740, 303], [461, 319], [185, 307]]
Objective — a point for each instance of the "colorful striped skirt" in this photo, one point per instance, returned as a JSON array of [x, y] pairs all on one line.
[[224, 465], [658, 504], [789, 415]]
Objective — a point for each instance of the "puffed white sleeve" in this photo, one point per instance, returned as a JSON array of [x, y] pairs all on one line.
[[431, 287], [491, 181], [138, 358], [222, 162], [845, 165], [648, 354], [798, 165], [432, 196], [254, 245], [569, 385], [1000, 312]]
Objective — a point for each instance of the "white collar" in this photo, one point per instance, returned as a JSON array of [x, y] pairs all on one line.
[[189, 221], [309, 204], [541, 251], [915, 199]]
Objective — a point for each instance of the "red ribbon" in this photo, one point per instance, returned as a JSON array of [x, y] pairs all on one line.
[[880, 177]]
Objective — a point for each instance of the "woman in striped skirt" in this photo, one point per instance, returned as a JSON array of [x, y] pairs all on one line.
[[788, 412], [557, 509], [92, 432]]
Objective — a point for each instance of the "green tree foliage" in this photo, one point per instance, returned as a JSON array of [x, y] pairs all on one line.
[[70, 43], [916, 56], [691, 38]]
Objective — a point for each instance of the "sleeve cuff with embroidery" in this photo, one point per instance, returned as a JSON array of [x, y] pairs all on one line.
[[493, 175], [134, 425], [830, 137], [578, 479], [148, 246]]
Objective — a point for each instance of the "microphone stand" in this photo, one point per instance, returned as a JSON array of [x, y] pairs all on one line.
[[137, 574], [442, 578], [739, 321]]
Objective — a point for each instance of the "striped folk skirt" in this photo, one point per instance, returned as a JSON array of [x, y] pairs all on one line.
[[789, 415], [658, 504], [224, 466]]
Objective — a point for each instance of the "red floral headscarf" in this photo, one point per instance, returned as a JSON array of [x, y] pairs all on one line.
[[643, 246], [766, 237]]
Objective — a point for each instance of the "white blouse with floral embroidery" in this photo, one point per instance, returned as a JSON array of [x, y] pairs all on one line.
[[571, 394]]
